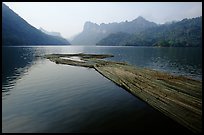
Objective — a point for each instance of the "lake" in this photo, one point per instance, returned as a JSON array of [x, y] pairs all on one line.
[[41, 96]]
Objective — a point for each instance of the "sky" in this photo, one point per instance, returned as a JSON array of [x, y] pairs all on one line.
[[68, 18]]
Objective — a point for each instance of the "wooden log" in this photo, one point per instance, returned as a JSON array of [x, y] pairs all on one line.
[[178, 97]]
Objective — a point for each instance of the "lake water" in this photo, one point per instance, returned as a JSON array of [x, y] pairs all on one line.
[[41, 96]]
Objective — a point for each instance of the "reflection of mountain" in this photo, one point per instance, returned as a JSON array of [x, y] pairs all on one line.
[[15, 62], [16, 31]]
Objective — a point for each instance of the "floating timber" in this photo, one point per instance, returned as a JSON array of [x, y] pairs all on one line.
[[178, 97]]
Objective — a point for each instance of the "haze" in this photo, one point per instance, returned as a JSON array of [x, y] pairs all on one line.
[[68, 18]]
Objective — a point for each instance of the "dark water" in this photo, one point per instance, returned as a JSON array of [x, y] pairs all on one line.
[[41, 96]]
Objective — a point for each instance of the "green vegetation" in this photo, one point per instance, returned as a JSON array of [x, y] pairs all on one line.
[[186, 33], [92, 33], [115, 39]]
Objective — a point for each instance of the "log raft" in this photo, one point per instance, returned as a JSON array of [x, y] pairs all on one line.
[[178, 97]]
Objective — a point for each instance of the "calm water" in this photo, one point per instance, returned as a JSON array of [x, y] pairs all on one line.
[[41, 96]]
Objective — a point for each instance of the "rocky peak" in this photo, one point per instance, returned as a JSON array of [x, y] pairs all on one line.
[[89, 26]]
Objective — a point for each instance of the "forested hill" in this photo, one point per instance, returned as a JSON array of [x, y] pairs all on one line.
[[93, 33], [16, 31], [185, 33]]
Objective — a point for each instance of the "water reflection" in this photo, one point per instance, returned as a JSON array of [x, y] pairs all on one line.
[[179, 61], [47, 97], [62, 98], [15, 63]]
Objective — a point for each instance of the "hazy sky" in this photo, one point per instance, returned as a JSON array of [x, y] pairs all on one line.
[[68, 18]]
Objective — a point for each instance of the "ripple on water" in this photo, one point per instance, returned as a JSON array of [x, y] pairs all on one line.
[[61, 98]]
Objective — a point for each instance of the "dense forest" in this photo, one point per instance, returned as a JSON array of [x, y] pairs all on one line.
[[185, 33]]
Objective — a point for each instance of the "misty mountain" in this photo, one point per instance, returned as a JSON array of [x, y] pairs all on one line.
[[92, 32], [114, 39], [16, 31], [50, 33], [187, 32]]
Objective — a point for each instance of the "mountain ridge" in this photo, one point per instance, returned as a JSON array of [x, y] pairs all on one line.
[[92, 32], [50, 33], [17, 31], [184, 33]]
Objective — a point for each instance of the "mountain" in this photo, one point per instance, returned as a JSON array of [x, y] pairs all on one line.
[[187, 32], [90, 35], [50, 33], [92, 32], [114, 39], [16, 31]]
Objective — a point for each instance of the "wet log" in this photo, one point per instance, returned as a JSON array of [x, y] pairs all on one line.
[[178, 97]]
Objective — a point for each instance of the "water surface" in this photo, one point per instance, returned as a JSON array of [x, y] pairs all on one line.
[[41, 96]]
